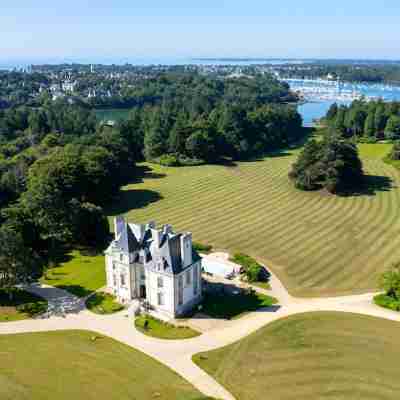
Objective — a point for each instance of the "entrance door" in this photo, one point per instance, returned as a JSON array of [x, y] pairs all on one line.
[[142, 291]]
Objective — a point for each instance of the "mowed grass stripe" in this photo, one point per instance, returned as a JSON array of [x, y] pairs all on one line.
[[311, 356], [320, 244]]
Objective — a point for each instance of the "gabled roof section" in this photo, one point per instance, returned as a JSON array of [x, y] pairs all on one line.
[[126, 241], [170, 252]]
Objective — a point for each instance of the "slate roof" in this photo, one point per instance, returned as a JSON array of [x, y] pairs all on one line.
[[132, 238]]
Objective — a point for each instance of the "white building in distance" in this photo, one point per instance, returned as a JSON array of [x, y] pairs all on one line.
[[154, 265]]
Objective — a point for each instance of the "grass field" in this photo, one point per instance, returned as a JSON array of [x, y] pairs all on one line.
[[70, 365], [318, 244], [163, 330], [311, 356], [79, 273], [103, 303]]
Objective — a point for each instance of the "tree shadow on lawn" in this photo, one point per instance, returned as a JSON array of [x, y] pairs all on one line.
[[228, 301], [76, 290], [371, 185], [143, 172], [133, 199]]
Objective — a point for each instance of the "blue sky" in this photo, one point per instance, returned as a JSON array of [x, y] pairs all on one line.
[[128, 29]]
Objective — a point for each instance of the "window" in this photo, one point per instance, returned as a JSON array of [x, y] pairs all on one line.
[[180, 290], [160, 298], [121, 257], [122, 280], [114, 280], [113, 265], [195, 279], [160, 282], [188, 277]]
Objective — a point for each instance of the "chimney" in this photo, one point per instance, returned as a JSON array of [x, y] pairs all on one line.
[[151, 225], [119, 223], [156, 235], [186, 249], [167, 229]]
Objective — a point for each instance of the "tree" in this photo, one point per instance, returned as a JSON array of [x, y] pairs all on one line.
[[395, 153], [392, 129], [390, 281], [305, 172], [332, 164], [380, 118], [91, 226], [18, 263], [154, 141], [332, 112], [369, 125]]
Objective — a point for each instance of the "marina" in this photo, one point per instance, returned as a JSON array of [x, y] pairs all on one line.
[[319, 94]]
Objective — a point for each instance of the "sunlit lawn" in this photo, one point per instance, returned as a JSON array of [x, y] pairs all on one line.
[[79, 273], [82, 365]]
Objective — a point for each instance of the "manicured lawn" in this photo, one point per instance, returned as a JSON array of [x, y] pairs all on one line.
[[80, 274], [163, 330], [231, 306], [312, 356], [22, 305], [262, 285], [316, 243], [378, 150], [103, 303], [71, 365]]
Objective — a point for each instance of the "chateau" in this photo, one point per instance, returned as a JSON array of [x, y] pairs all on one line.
[[157, 266]]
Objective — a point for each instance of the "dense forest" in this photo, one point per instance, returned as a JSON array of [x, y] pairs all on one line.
[[372, 120], [59, 166]]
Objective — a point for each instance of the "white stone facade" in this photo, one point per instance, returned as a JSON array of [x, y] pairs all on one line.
[[156, 266]]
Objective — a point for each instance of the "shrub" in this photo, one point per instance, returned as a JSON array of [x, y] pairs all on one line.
[[252, 269], [169, 160], [253, 273], [200, 247], [36, 308], [368, 139], [386, 301]]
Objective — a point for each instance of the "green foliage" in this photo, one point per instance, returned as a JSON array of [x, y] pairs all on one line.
[[386, 301], [90, 226], [103, 303], [254, 271], [392, 129], [18, 263], [154, 327], [373, 119], [17, 304], [332, 164], [32, 309], [201, 247], [390, 282], [169, 160], [395, 153]]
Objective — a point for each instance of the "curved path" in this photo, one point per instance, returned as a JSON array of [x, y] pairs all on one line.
[[68, 312]]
